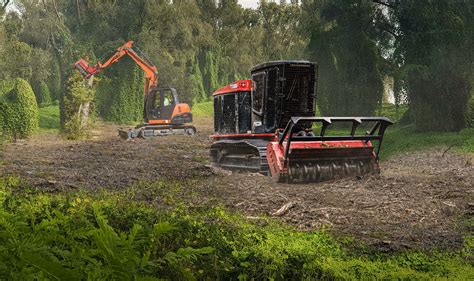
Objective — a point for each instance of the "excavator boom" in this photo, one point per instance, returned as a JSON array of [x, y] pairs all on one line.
[[151, 73]]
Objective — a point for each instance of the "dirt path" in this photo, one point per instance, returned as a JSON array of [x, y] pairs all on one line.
[[417, 201]]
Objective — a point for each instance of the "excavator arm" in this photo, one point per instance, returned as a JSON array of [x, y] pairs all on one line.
[[151, 73], [163, 119]]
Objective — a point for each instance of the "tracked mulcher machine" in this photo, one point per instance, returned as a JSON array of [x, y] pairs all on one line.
[[268, 125]]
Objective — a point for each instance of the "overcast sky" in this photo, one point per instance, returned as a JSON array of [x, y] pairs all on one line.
[[249, 3]]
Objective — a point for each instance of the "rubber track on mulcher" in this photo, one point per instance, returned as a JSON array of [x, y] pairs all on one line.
[[225, 148]]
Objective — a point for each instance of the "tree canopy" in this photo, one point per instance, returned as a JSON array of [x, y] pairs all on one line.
[[199, 45]]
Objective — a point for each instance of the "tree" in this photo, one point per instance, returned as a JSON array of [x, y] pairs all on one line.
[[343, 40], [434, 48], [3, 6], [281, 38]]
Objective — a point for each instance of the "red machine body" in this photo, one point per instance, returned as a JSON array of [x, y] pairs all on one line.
[[255, 128]]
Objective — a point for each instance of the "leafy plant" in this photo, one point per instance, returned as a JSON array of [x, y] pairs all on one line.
[[43, 95], [18, 109], [57, 237], [78, 105]]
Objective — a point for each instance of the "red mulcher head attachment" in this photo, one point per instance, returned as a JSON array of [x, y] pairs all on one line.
[[301, 156], [85, 69]]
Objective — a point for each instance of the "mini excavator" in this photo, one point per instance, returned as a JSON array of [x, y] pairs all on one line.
[[163, 113], [268, 125]]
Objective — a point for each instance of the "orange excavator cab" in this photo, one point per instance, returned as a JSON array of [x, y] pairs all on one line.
[[163, 114]]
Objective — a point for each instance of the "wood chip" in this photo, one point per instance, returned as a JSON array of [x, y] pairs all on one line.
[[284, 209]]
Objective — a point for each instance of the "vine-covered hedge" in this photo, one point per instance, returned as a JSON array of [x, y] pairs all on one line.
[[43, 94], [78, 106], [120, 94], [470, 113], [54, 81], [18, 109]]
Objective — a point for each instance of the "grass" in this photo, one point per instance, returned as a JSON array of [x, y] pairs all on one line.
[[204, 109], [392, 111], [49, 117], [116, 235], [405, 139]]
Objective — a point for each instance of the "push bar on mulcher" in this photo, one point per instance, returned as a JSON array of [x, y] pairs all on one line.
[[376, 133]]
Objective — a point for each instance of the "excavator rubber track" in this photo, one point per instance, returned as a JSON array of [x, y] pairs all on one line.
[[150, 130], [244, 155]]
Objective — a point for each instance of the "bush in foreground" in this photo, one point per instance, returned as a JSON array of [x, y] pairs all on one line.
[[108, 235]]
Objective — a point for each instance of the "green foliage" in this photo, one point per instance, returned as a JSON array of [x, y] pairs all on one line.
[[434, 56], [18, 61], [54, 81], [107, 235], [405, 139], [18, 109], [198, 86], [49, 117], [470, 113], [71, 238], [210, 73], [43, 95], [343, 40], [203, 109], [120, 95], [78, 103], [281, 23]]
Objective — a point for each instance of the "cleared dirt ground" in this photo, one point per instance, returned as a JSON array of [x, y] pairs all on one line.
[[418, 201]]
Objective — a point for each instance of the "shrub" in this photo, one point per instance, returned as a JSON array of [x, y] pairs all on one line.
[[43, 95], [120, 96], [470, 113], [77, 108], [54, 80], [18, 109], [73, 238]]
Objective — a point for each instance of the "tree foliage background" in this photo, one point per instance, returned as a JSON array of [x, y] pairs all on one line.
[[199, 45]]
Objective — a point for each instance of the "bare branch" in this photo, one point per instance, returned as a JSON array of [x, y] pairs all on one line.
[[389, 31], [383, 3], [5, 3]]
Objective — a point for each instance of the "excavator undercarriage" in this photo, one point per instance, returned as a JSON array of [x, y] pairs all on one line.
[[147, 130]]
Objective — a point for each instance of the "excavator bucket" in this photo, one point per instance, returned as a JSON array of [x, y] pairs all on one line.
[[85, 69], [301, 156]]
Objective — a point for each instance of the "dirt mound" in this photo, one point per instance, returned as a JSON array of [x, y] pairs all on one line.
[[416, 202]]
